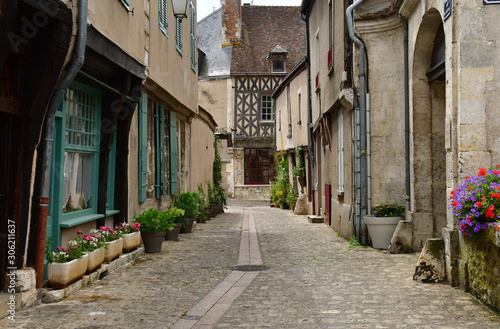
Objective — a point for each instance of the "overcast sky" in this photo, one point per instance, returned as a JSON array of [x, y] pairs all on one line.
[[205, 7]]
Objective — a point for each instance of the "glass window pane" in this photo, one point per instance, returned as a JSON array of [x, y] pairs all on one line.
[[78, 174]]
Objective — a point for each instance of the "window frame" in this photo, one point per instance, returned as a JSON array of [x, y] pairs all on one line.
[[248, 170], [192, 21], [340, 149], [270, 107]]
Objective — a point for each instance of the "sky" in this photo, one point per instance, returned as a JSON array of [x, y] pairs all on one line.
[[206, 7]]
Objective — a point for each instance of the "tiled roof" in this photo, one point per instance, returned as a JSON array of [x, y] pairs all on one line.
[[264, 27]]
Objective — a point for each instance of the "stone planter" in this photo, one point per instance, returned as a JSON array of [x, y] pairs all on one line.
[[114, 250], [153, 241], [381, 230], [96, 258], [189, 225], [174, 234], [62, 274], [131, 241]]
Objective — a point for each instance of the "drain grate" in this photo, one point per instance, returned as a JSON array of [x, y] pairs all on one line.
[[251, 268]]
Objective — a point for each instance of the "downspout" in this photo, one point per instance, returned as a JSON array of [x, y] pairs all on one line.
[[48, 138], [310, 149], [407, 109], [361, 129]]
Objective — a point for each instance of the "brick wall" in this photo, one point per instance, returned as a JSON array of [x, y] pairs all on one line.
[[231, 21]]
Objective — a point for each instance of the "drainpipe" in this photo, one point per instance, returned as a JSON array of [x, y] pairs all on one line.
[[48, 138], [407, 109], [310, 149], [361, 129]]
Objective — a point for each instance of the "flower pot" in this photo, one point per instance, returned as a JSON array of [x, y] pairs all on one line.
[[131, 241], [62, 274], [276, 204], [152, 241], [189, 225], [96, 258], [381, 230], [114, 250], [174, 234]]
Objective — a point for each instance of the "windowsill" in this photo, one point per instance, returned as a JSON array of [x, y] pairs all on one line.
[[179, 50], [126, 6], [267, 121], [111, 212], [340, 193], [80, 220], [330, 70]]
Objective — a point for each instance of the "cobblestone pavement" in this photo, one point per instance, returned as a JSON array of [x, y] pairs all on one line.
[[314, 281]]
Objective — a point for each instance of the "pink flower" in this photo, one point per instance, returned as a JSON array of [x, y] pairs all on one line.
[[79, 232]]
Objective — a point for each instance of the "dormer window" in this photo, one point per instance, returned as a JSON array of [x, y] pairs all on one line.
[[277, 58]]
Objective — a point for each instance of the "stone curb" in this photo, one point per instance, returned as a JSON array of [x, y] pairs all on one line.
[[50, 295]]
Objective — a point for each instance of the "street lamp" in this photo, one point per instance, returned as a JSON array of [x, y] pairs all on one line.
[[180, 8]]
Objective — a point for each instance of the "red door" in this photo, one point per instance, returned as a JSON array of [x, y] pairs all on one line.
[[328, 206]]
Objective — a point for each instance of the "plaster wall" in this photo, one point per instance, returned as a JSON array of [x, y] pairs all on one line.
[[113, 20], [168, 68], [212, 95], [202, 154]]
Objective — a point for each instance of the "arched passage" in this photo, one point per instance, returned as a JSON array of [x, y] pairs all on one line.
[[428, 130]]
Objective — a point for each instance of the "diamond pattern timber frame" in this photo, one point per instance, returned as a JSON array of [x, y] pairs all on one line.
[[247, 105]]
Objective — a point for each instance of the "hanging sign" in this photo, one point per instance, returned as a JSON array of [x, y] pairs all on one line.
[[447, 9]]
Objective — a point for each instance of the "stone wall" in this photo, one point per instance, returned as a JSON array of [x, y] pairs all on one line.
[[480, 266]]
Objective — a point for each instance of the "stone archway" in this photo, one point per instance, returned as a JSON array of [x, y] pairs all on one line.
[[428, 131]]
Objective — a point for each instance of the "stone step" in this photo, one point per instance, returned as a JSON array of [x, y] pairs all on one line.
[[8, 308], [315, 219]]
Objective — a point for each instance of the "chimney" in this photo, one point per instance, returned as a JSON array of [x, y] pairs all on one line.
[[231, 21]]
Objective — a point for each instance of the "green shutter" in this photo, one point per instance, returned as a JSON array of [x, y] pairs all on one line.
[[110, 196], [143, 147], [173, 154], [178, 35], [163, 180], [193, 35], [161, 189], [162, 16]]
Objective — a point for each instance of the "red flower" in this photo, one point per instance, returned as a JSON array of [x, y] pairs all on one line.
[[496, 172], [454, 204], [79, 232], [467, 177], [469, 219], [482, 172], [463, 227], [490, 211], [479, 204], [495, 195], [498, 166], [497, 228]]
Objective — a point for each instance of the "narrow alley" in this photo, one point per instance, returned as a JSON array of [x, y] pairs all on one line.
[[310, 279]]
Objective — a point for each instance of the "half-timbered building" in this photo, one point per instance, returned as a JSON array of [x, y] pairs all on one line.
[[248, 51]]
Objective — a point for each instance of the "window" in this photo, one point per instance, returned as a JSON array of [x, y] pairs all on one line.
[[192, 19], [163, 160], [331, 39], [289, 111], [278, 64], [163, 16], [178, 35], [266, 108], [299, 107], [259, 166], [340, 149]]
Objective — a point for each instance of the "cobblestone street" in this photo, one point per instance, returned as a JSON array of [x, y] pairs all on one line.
[[314, 280]]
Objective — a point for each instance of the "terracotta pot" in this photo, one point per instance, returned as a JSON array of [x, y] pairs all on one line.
[[62, 274], [96, 258], [189, 225], [174, 234], [153, 241], [131, 241], [114, 250]]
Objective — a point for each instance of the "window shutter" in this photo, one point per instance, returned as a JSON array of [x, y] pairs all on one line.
[[178, 35], [173, 154], [163, 15], [143, 147], [193, 36], [160, 151]]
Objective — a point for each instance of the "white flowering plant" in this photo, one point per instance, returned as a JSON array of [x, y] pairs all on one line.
[[89, 242], [62, 255]]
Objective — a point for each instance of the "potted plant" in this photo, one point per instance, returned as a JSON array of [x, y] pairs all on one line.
[[187, 201], [212, 200], [153, 229], [131, 236], [202, 203], [291, 198], [475, 202], [93, 246], [176, 217], [114, 242], [65, 266], [382, 223]]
